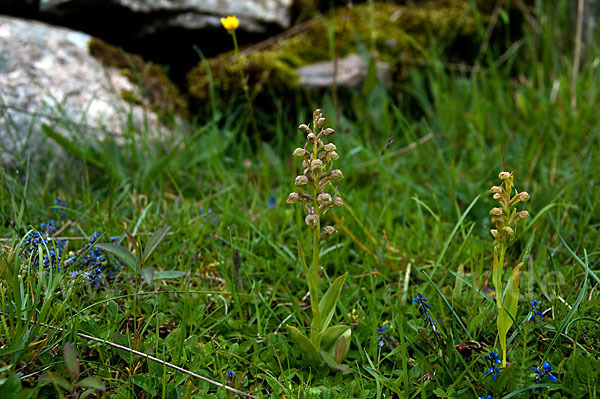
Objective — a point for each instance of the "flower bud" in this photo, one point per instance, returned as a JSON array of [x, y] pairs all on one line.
[[299, 152], [301, 180], [496, 190], [328, 131], [509, 231], [496, 212], [496, 219], [304, 128], [292, 198], [316, 164], [332, 156], [311, 220], [324, 199], [522, 215], [320, 122], [304, 163], [311, 137], [494, 233], [327, 232], [330, 147], [337, 201], [523, 196], [337, 175], [504, 175], [317, 114], [497, 197]]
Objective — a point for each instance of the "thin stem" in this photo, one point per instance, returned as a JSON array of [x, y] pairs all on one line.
[[315, 278], [245, 87], [499, 254], [316, 326]]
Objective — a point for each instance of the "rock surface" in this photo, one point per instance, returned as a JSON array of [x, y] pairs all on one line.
[[254, 15], [351, 71], [165, 31], [48, 76]]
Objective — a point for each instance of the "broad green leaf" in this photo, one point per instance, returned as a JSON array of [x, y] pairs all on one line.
[[91, 382], [120, 253], [509, 306], [86, 393], [57, 380], [71, 360], [304, 343], [510, 302], [329, 301], [148, 274], [330, 335], [340, 349], [153, 242], [168, 274], [335, 345], [329, 358]]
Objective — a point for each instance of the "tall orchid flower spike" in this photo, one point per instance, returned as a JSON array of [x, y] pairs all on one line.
[[315, 192]]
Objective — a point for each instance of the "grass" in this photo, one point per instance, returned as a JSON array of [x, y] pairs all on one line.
[[413, 222]]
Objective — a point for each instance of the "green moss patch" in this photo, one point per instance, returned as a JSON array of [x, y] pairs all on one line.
[[156, 91]]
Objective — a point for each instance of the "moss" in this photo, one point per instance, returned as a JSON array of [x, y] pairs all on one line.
[[156, 91], [402, 32]]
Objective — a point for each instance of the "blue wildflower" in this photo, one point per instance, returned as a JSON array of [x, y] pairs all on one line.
[[424, 311], [209, 217], [381, 335], [272, 201], [92, 263], [546, 371], [487, 397], [52, 252], [60, 206], [534, 310], [493, 359], [230, 373]]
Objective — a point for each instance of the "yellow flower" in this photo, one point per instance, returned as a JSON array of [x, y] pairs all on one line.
[[230, 23]]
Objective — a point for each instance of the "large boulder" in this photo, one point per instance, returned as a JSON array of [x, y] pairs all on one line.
[[157, 15], [165, 31], [47, 75]]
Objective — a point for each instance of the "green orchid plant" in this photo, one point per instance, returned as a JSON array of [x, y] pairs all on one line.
[[325, 343], [506, 217]]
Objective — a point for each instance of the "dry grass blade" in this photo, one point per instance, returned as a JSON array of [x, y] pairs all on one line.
[[399, 151]]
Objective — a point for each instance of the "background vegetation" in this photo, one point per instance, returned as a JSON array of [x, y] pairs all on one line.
[[226, 278]]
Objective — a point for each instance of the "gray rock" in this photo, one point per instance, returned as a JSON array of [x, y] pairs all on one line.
[[47, 76], [254, 15], [167, 31], [351, 71]]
